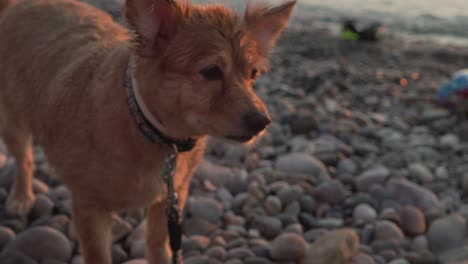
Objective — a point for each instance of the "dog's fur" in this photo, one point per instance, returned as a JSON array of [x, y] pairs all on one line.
[[62, 72]]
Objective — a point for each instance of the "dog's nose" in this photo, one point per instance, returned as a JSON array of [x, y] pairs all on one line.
[[256, 121]]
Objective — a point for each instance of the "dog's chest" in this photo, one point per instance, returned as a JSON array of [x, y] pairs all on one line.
[[139, 186]]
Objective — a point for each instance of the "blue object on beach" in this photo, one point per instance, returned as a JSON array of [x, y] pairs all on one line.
[[457, 86]]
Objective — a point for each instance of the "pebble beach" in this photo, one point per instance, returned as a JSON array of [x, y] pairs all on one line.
[[359, 166]]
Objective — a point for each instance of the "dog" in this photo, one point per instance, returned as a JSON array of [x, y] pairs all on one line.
[[109, 104]]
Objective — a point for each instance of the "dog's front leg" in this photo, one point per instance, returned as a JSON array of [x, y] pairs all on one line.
[[93, 226], [158, 251]]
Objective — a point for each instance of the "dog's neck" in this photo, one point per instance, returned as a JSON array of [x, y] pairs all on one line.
[[149, 126]]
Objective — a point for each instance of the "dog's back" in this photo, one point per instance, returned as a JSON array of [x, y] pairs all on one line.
[[65, 35]]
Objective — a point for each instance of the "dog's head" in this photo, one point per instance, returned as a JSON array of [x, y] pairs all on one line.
[[196, 64]]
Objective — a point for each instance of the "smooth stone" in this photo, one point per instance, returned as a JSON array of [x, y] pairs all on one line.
[[196, 242], [314, 234], [399, 261], [330, 191], [449, 141], [386, 230], [51, 261], [136, 261], [39, 187], [60, 193], [364, 213], [329, 222], [464, 183], [420, 172], [77, 260], [59, 221], [118, 254], [6, 235], [54, 245], [216, 252], [273, 205], [233, 261], [239, 253], [390, 214], [346, 167], [376, 175], [205, 208], [362, 258], [257, 260], [413, 221], [236, 243], [288, 247], [289, 194], [197, 226], [420, 243], [15, 257], [308, 204], [138, 249], [409, 193], [294, 228], [301, 163], [120, 228], [43, 206], [138, 233], [201, 260], [337, 246], [456, 255], [269, 227], [446, 233]]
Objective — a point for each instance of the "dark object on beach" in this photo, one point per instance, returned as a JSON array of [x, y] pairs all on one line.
[[372, 32]]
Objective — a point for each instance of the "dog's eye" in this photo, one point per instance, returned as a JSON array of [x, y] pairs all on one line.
[[254, 73], [212, 73]]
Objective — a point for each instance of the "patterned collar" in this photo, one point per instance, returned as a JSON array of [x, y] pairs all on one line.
[[146, 123]]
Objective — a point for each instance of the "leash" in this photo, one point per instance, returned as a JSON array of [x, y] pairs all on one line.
[[174, 225], [148, 126]]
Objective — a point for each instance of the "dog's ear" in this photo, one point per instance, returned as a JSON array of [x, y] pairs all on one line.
[[265, 23], [155, 23]]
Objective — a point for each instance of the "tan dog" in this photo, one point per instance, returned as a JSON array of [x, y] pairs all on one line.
[[63, 67]]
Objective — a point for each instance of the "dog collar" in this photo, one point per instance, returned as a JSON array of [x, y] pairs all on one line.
[[147, 124]]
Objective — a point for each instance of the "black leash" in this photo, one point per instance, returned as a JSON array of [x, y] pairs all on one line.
[[174, 225], [155, 136]]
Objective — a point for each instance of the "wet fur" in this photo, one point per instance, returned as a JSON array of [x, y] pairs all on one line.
[[63, 65]]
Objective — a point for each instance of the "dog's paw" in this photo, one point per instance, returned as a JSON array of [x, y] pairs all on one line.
[[20, 204]]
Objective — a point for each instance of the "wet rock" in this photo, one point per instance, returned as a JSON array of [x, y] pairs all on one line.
[[239, 253], [120, 228], [386, 230], [14, 257], [6, 235], [330, 191], [138, 249], [216, 252], [421, 173], [43, 206], [333, 247], [205, 208], [372, 176], [54, 245], [413, 221], [446, 233], [301, 163], [269, 227], [409, 193], [273, 205], [288, 247], [364, 213], [363, 259]]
